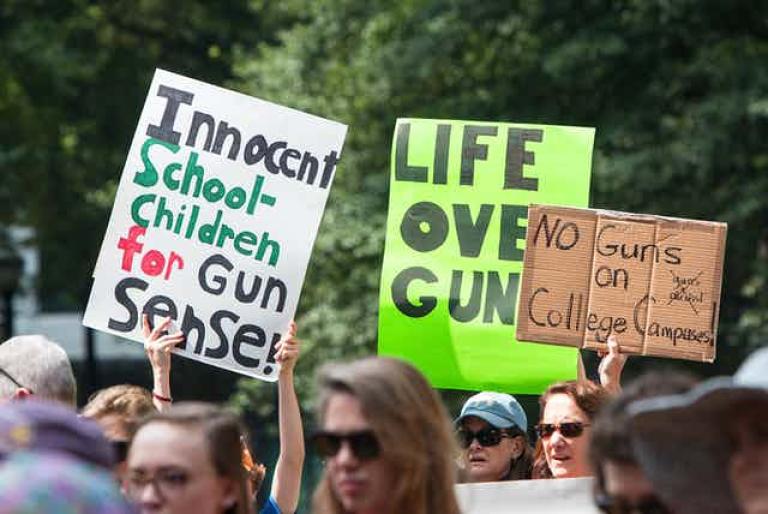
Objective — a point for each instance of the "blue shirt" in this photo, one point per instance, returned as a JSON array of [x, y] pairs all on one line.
[[270, 507]]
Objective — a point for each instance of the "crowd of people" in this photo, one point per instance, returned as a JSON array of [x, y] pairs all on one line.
[[662, 444]]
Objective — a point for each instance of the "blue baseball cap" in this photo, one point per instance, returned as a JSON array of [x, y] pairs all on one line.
[[498, 409]]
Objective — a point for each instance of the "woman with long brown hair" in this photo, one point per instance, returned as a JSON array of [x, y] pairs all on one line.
[[387, 441]]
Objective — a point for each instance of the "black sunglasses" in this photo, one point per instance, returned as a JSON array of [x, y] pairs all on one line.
[[15, 382], [485, 437], [363, 444], [611, 505], [120, 449], [568, 429]]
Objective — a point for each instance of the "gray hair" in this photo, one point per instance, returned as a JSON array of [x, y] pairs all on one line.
[[39, 365]]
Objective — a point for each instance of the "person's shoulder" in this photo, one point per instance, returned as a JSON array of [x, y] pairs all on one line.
[[270, 507]]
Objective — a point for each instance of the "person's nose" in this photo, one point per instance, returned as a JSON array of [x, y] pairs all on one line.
[[346, 457], [474, 444], [557, 439], [150, 496]]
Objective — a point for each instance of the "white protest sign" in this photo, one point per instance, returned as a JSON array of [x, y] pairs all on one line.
[[214, 221], [557, 496]]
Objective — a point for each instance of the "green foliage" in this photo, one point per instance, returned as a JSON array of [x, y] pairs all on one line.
[[678, 91], [73, 76]]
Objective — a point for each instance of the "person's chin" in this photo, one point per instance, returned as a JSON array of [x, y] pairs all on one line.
[[479, 472], [562, 469], [356, 503], [352, 503], [352, 494], [752, 496]]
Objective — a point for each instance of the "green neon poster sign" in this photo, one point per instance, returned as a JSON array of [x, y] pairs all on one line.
[[459, 195]]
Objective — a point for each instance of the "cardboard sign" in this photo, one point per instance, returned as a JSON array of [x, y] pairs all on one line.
[[651, 281], [214, 222], [564, 495], [459, 195]]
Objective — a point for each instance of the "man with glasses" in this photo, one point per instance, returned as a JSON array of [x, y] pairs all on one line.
[[35, 365], [492, 434]]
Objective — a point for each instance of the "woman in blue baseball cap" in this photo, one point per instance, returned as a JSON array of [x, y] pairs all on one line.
[[492, 430]]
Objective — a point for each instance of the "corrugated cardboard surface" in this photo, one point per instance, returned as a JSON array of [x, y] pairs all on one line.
[[652, 281]]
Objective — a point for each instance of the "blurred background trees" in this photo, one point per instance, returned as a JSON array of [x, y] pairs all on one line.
[[73, 78], [678, 91]]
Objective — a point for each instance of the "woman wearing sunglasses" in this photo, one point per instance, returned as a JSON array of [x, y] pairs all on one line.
[[386, 440], [492, 434], [567, 412], [118, 410]]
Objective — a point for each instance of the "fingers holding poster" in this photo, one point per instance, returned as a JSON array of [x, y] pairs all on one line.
[[459, 193], [214, 221]]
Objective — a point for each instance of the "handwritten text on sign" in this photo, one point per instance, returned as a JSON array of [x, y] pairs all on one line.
[[214, 221], [653, 282]]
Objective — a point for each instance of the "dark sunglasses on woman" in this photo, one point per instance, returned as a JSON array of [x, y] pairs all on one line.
[[485, 437], [610, 505], [120, 449], [570, 429], [363, 444]]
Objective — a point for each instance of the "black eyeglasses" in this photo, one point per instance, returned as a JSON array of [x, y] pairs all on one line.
[[568, 429], [611, 505], [363, 444], [167, 482], [485, 437], [15, 382]]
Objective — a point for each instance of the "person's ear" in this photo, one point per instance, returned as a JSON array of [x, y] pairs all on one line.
[[22, 393], [518, 446], [229, 494]]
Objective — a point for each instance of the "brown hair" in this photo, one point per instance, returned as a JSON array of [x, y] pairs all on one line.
[[522, 465], [131, 403], [412, 427], [587, 395], [224, 433]]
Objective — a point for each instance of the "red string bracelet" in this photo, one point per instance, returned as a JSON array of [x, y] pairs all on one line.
[[161, 397]]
